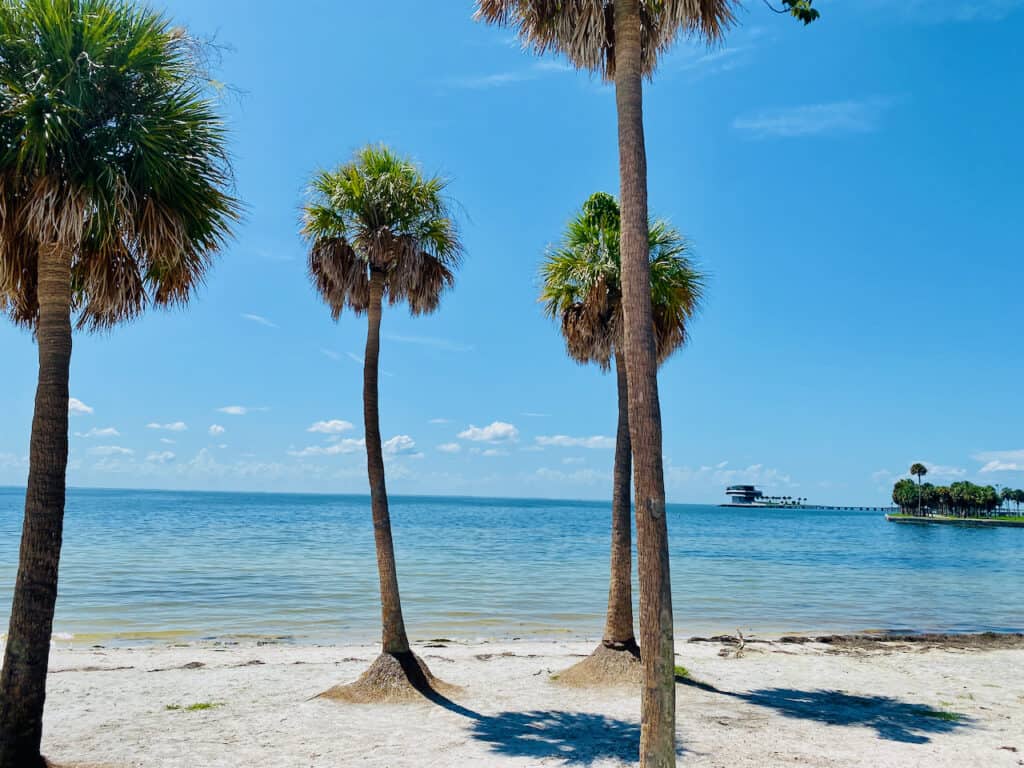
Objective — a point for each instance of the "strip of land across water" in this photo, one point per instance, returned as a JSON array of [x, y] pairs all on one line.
[[1010, 521], [943, 701]]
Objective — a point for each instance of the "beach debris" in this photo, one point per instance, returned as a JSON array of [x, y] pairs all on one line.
[[189, 665], [740, 643]]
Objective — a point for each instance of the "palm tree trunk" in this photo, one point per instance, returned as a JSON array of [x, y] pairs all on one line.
[[23, 681], [658, 699], [618, 628], [393, 638]]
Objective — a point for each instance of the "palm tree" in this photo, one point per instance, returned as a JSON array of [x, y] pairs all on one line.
[[622, 41], [918, 470], [582, 289], [377, 227], [113, 178]]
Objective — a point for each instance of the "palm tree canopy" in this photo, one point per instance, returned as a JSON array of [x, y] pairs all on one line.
[[584, 30], [918, 470], [110, 148], [379, 212], [581, 284]]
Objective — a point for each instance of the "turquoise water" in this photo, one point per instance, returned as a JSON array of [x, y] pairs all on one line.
[[161, 565]]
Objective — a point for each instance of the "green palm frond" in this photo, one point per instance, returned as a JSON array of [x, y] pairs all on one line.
[[584, 30], [581, 288], [109, 146], [379, 212]]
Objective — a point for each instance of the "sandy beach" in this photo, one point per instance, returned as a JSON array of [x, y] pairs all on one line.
[[776, 704]]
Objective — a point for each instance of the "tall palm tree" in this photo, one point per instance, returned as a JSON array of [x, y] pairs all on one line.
[[113, 179], [918, 470], [582, 288], [378, 228]]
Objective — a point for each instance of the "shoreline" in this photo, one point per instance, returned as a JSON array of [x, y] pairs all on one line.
[[816, 702]]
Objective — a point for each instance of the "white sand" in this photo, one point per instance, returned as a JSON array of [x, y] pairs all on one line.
[[778, 705]]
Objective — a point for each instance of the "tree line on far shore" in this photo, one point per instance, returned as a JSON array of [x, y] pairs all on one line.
[[960, 499]]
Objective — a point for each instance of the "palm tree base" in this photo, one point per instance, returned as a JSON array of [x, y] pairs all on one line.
[[608, 665], [392, 678]]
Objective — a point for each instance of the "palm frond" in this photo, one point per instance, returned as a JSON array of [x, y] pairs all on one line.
[[584, 30], [110, 147], [580, 284], [379, 212]]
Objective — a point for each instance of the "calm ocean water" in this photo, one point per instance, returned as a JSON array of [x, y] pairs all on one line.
[[156, 565]]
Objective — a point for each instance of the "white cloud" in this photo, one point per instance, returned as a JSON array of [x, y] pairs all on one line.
[[216, 429], [449, 448], [330, 353], [77, 408], [259, 319], [161, 457], [940, 11], [564, 441], [111, 450], [348, 445], [836, 117], [174, 426], [490, 452], [717, 477], [234, 410], [167, 441], [499, 79], [535, 415], [332, 427], [430, 341], [1001, 461], [574, 460], [400, 445], [586, 477], [439, 421], [495, 432], [95, 432], [942, 471]]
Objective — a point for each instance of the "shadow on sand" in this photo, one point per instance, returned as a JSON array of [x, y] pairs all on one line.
[[572, 738], [892, 719]]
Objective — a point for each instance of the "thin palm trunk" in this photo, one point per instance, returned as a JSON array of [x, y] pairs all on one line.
[[618, 629], [918, 495], [23, 681], [393, 636], [658, 698]]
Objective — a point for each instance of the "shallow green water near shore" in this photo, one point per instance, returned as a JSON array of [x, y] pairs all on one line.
[[166, 566]]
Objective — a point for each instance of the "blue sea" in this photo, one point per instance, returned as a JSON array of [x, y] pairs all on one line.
[[152, 566]]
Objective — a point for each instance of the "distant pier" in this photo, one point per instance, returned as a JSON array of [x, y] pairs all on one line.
[[764, 505]]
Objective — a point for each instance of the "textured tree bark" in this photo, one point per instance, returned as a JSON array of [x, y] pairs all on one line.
[[393, 635], [23, 681], [658, 702], [618, 628]]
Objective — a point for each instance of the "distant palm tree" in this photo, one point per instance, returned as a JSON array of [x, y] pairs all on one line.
[[582, 289], [378, 228], [919, 470], [113, 179]]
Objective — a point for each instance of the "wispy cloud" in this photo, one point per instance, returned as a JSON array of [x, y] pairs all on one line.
[[240, 410], [430, 341], [330, 353], [215, 430], [439, 421], [331, 427], [833, 118], [510, 77], [348, 445], [1001, 461], [96, 432], [940, 11], [491, 452], [565, 441], [260, 320], [111, 450], [160, 457], [77, 408], [400, 445], [535, 415], [585, 477], [174, 426], [495, 432], [449, 448]]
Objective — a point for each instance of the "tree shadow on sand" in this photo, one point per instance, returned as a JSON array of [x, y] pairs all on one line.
[[892, 719], [572, 738]]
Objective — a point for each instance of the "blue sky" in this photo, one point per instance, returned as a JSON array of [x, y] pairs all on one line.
[[854, 189]]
